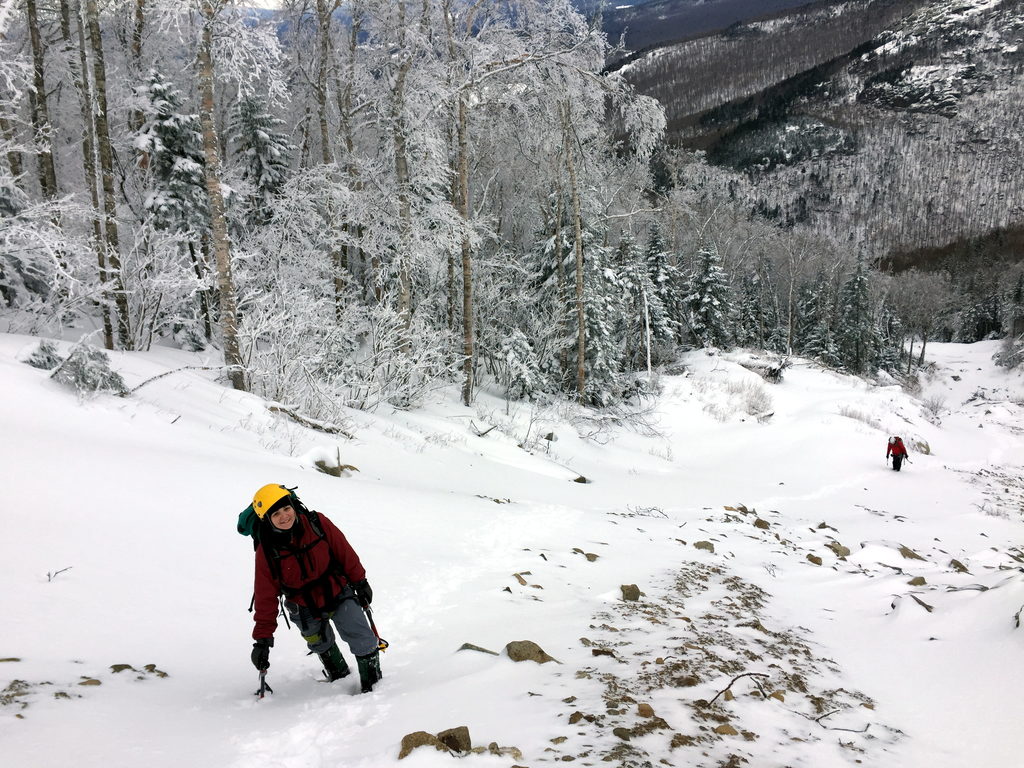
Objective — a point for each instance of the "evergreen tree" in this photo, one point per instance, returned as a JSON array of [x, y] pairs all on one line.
[[890, 334], [550, 266], [816, 335], [755, 322], [664, 277], [1013, 306], [645, 324], [171, 146], [603, 309], [520, 373], [263, 153], [708, 300], [857, 338]]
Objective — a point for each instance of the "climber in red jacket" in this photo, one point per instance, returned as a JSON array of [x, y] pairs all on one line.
[[897, 450]]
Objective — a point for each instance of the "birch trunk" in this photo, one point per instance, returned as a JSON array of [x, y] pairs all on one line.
[[351, 255], [577, 229], [40, 108], [136, 118], [460, 199], [562, 292], [323, 39], [336, 254], [402, 181], [467, 260], [218, 220], [78, 66], [106, 158]]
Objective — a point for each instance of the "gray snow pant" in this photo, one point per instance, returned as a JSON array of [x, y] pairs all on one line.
[[348, 617]]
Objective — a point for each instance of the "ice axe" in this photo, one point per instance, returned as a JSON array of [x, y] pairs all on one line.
[[264, 687], [382, 644]]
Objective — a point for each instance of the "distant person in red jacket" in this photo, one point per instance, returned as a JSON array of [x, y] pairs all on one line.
[[897, 450], [304, 557]]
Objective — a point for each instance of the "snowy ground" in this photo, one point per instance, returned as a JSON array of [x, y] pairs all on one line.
[[471, 539]]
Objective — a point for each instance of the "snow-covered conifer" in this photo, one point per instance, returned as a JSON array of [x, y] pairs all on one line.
[[520, 375], [171, 147], [708, 300], [665, 278], [755, 323], [603, 307], [857, 337], [645, 328], [263, 153]]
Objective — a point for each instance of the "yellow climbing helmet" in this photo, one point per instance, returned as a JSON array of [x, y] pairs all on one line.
[[267, 497]]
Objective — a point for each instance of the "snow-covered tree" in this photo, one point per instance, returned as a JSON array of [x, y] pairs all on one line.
[[755, 323], [646, 329], [665, 281], [263, 153], [816, 328], [170, 144], [857, 338], [708, 300]]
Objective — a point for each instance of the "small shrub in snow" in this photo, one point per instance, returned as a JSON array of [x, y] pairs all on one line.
[[912, 385], [754, 399], [718, 412], [934, 407], [729, 398], [87, 370], [520, 375], [1011, 352], [45, 356], [853, 413], [637, 387]]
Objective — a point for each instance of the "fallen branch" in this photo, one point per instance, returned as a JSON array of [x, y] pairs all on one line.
[[847, 730], [305, 421], [150, 380], [771, 372], [476, 429], [745, 674]]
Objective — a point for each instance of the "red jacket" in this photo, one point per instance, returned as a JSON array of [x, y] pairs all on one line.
[[303, 563], [896, 449]]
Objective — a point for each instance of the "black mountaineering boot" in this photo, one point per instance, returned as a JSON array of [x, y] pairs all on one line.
[[369, 670], [335, 667]]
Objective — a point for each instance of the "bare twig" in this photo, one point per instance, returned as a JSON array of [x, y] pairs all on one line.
[[847, 730], [477, 431], [51, 576], [754, 675]]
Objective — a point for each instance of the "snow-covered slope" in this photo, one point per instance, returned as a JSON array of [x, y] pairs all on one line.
[[473, 539]]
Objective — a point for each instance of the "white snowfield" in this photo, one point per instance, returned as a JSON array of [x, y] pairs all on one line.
[[119, 548]]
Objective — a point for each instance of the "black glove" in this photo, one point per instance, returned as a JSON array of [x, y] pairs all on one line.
[[261, 653], [364, 595]]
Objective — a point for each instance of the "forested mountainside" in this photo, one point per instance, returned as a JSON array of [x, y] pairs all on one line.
[[644, 24], [893, 124]]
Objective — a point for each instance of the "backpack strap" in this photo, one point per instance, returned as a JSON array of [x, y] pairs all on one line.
[[321, 583]]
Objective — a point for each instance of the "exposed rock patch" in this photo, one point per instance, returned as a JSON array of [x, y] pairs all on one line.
[[527, 650]]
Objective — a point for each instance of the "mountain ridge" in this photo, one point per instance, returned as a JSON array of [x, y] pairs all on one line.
[[906, 140]]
